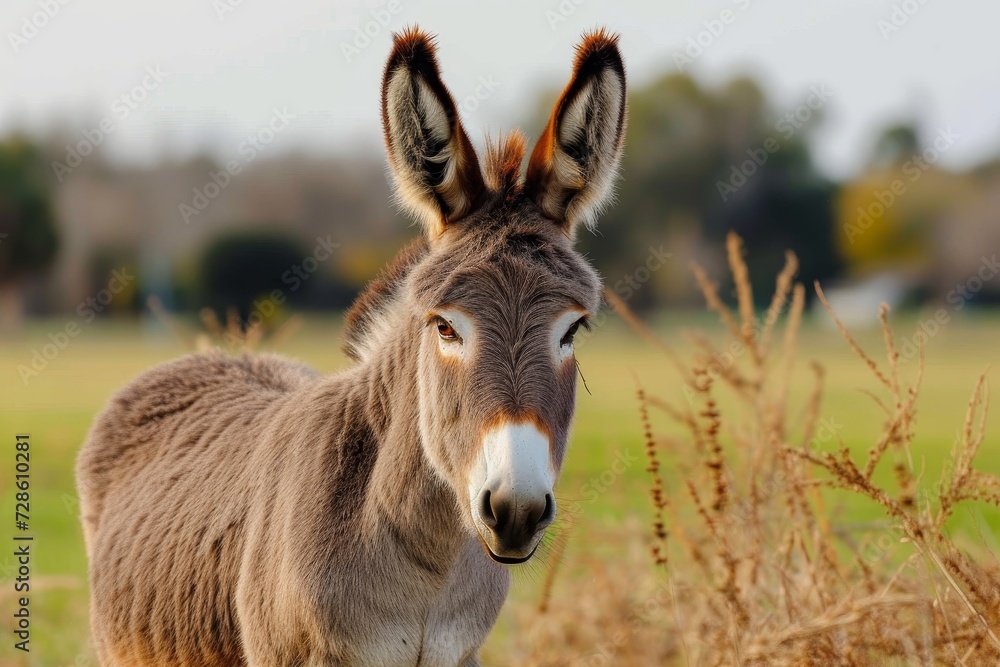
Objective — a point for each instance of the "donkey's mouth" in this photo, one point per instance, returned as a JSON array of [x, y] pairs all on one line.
[[505, 560]]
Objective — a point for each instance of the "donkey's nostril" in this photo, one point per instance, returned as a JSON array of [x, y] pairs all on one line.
[[495, 512], [538, 516], [549, 513], [486, 510], [501, 511]]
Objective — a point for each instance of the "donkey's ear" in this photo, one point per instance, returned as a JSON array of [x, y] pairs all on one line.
[[573, 167], [435, 167]]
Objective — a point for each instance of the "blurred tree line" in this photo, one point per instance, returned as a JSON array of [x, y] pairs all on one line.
[[28, 236], [699, 161]]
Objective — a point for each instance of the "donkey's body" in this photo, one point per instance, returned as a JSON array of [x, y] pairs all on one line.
[[246, 511], [250, 504]]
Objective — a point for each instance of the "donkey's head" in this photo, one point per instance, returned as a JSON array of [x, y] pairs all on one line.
[[493, 294]]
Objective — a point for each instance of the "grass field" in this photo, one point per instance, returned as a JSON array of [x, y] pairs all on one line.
[[57, 406]]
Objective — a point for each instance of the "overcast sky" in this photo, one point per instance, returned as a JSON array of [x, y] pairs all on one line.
[[226, 65]]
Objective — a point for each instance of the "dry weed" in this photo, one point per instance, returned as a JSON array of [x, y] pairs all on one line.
[[748, 566], [231, 336]]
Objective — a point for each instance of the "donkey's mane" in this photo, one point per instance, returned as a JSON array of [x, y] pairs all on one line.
[[362, 318], [502, 173]]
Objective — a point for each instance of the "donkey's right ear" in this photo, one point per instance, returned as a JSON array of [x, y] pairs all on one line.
[[434, 165], [572, 171]]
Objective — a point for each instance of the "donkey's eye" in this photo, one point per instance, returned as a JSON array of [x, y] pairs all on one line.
[[446, 331], [568, 338]]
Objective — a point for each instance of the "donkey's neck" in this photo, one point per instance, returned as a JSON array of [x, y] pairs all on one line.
[[406, 500]]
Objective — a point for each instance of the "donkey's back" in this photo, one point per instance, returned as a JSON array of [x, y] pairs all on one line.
[[165, 482]]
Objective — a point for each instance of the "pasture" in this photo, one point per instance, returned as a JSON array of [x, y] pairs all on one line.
[[605, 482]]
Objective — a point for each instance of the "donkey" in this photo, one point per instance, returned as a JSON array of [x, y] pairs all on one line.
[[247, 511]]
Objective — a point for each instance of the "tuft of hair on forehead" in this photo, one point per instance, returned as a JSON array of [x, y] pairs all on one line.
[[502, 168]]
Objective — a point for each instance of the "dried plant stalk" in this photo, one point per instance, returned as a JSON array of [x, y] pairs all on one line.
[[759, 572]]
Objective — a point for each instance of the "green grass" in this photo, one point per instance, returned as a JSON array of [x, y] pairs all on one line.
[[57, 406]]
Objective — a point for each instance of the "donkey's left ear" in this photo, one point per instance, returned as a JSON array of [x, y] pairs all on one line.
[[573, 167], [435, 167]]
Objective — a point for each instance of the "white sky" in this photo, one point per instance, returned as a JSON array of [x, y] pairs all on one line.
[[226, 75]]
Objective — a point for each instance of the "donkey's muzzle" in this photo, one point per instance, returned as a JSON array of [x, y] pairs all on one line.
[[510, 490], [511, 527]]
